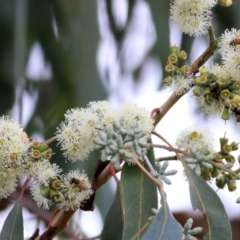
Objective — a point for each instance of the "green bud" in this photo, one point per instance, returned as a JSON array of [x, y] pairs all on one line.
[[167, 81], [172, 58], [197, 91], [232, 185], [170, 68], [190, 161], [196, 230], [225, 3], [182, 55], [36, 154], [235, 85], [225, 114], [166, 180], [170, 172], [227, 148], [204, 71], [54, 195], [225, 94], [207, 165], [45, 192], [221, 181], [47, 154], [230, 158], [174, 50], [234, 146], [223, 141], [198, 169], [56, 184], [215, 172], [218, 157], [228, 165]]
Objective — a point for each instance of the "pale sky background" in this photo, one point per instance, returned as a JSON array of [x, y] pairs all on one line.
[[121, 88]]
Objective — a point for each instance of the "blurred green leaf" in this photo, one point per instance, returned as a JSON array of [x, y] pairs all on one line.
[[204, 198], [113, 225], [139, 196], [164, 226], [13, 225]]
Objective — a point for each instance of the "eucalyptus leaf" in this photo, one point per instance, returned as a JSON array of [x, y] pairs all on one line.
[[139, 196], [164, 226], [204, 198], [114, 221], [13, 225]]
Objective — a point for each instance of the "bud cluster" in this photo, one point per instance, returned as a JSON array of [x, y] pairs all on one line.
[[122, 142], [162, 174], [179, 78], [217, 94]]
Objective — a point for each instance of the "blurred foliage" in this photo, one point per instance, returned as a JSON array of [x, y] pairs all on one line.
[[68, 33]]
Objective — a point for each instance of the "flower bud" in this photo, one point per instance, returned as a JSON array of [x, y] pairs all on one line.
[[221, 181], [167, 81], [172, 58], [225, 3], [232, 185], [218, 157], [56, 184], [215, 172], [225, 94], [170, 68], [225, 114], [174, 50], [197, 91], [182, 55], [36, 154]]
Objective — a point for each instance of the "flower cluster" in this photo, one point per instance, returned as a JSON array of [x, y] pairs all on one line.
[[205, 161], [188, 232], [179, 78], [68, 191], [122, 143], [81, 127], [217, 92], [193, 17], [14, 145]]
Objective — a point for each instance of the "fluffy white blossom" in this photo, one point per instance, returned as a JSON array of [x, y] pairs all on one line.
[[8, 183], [41, 201], [77, 188], [213, 108], [195, 137], [181, 84], [44, 170], [81, 126], [14, 145], [193, 17], [229, 48]]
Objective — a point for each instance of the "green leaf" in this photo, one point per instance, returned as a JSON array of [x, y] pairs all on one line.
[[204, 198], [113, 225], [139, 196], [164, 226], [13, 225]]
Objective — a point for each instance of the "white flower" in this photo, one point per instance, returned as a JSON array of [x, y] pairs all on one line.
[[41, 201], [213, 108], [8, 183], [181, 84], [14, 145], [132, 112], [44, 170], [196, 138], [76, 188], [193, 17], [81, 126], [230, 52]]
